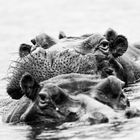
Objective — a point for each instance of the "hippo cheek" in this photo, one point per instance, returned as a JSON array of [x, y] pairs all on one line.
[[32, 114], [49, 110], [36, 113], [60, 113], [54, 114]]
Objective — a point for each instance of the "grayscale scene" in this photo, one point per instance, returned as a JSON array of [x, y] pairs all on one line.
[[69, 70]]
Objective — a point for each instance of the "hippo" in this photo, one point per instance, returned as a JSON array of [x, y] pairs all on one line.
[[122, 55], [43, 40], [84, 55], [68, 98]]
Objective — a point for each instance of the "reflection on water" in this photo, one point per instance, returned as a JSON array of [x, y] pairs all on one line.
[[22, 20], [116, 130]]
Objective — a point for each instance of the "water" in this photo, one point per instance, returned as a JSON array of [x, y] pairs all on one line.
[[20, 21]]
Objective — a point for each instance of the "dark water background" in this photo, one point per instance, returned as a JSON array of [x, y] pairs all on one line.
[[21, 20]]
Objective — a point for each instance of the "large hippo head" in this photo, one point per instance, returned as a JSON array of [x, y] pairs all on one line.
[[85, 55], [114, 49], [68, 97]]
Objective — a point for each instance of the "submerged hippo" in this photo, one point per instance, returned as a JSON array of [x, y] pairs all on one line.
[[122, 56], [67, 97], [85, 55]]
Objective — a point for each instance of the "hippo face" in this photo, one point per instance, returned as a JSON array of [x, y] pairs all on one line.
[[107, 50], [110, 92], [110, 44], [53, 102], [51, 105]]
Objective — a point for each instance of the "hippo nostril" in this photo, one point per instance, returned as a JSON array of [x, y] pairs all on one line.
[[109, 71], [42, 97], [128, 103]]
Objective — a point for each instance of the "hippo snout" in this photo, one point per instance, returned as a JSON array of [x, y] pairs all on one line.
[[45, 100]]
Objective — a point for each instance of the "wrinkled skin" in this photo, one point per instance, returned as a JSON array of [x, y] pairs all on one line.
[[68, 97], [85, 55]]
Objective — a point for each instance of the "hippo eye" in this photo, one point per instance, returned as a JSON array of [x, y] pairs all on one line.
[[104, 43], [42, 97], [104, 47]]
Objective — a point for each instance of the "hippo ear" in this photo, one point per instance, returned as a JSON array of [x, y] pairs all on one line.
[[24, 49], [110, 34], [33, 41], [28, 85], [119, 46], [61, 35]]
